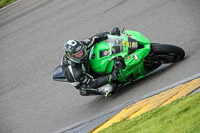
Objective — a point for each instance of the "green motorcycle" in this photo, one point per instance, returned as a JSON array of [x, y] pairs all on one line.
[[131, 53]]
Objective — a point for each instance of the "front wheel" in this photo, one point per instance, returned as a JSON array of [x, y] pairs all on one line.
[[162, 54], [165, 53]]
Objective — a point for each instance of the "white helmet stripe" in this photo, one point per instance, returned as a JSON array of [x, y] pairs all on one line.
[[72, 42]]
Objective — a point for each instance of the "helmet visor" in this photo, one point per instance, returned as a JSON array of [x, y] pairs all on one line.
[[78, 56]]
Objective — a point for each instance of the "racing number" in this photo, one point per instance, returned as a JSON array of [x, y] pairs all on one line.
[[125, 43], [128, 44]]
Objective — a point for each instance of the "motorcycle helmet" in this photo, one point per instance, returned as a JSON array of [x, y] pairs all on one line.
[[75, 51]]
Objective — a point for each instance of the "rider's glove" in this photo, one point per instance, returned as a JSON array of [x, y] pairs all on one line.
[[114, 75], [115, 31]]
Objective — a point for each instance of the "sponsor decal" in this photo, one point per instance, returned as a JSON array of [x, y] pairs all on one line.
[[133, 44], [128, 57], [105, 52], [135, 56], [77, 49], [133, 37], [130, 36]]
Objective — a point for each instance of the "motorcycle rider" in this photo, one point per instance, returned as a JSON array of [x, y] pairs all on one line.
[[76, 70]]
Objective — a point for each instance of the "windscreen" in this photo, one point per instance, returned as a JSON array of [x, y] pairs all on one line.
[[116, 45]]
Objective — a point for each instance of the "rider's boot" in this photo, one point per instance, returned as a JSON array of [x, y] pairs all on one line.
[[107, 90]]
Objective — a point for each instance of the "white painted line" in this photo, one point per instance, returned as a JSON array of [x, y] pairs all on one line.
[[9, 5]]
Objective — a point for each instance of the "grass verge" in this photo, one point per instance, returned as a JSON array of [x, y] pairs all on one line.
[[5, 2], [180, 116]]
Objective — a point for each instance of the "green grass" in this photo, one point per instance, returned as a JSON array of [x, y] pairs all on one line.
[[180, 116], [5, 2]]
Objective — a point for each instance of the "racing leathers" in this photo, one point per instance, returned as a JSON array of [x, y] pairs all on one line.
[[77, 74]]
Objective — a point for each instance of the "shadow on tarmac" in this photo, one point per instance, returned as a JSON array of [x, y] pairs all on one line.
[[120, 91]]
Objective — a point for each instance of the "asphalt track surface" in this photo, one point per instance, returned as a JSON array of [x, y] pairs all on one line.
[[32, 34]]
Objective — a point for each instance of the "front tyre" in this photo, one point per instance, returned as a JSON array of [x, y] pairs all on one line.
[[165, 53]]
